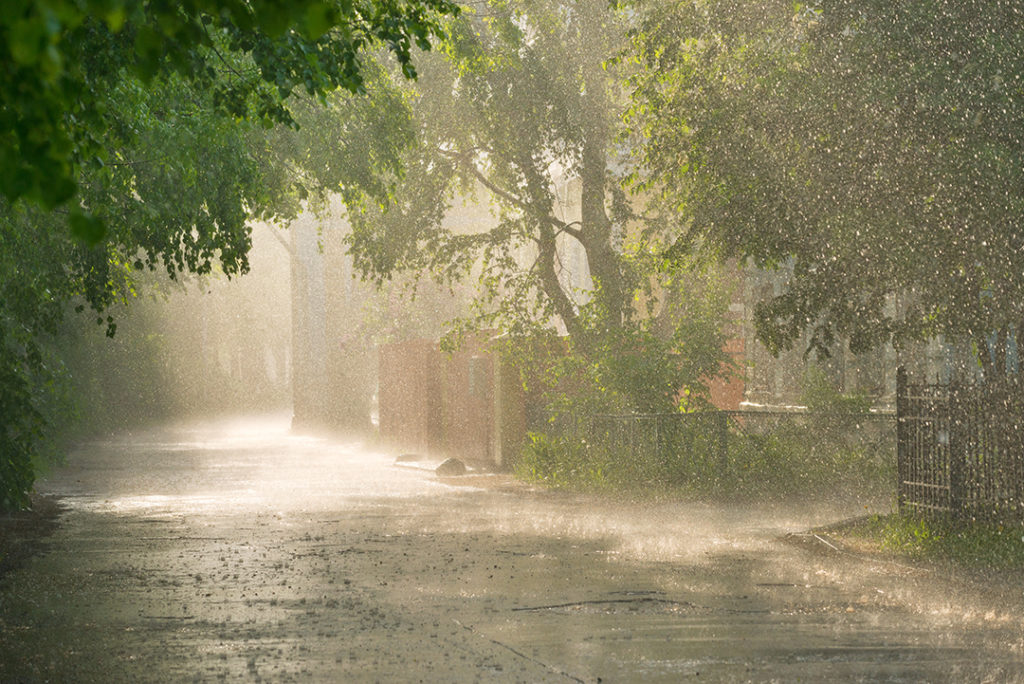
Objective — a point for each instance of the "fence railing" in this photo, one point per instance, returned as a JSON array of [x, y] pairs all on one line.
[[755, 447], [960, 447]]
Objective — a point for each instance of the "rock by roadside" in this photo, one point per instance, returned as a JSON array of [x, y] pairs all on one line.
[[451, 467]]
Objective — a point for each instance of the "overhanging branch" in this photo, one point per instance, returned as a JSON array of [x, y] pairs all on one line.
[[574, 229]]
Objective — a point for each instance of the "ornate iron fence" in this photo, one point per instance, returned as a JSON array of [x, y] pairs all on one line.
[[960, 447]]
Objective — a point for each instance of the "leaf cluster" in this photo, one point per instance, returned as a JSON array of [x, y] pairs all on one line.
[[62, 55]]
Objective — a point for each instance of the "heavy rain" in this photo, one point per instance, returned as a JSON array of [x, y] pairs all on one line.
[[511, 340]]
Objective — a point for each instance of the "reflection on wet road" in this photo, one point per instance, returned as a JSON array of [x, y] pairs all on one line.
[[236, 551]]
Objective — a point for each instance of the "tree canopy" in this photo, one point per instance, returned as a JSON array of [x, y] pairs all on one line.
[[871, 148], [63, 56]]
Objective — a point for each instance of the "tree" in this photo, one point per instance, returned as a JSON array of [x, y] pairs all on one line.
[[140, 125], [872, 148], [520, 97], [521, 111], [61, 57]]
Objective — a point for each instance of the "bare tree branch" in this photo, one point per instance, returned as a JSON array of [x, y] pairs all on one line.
[[563, 227], [280, 238]]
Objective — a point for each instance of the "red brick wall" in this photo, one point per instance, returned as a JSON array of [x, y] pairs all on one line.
[[438, 404], [727, 392], [469, 416], [443, 405], [408, 394]]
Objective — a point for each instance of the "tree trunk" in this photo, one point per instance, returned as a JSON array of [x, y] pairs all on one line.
[[546, 265], [603, 259]]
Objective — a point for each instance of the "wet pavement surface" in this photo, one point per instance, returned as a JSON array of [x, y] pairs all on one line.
[[238, 552]]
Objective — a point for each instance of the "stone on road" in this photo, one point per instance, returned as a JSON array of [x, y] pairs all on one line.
[[239, 552]]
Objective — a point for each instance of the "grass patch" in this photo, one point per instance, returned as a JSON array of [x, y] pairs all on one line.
[[972, 545], [788, 461]]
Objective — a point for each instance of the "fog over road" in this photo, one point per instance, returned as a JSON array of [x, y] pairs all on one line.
[[236, 551]]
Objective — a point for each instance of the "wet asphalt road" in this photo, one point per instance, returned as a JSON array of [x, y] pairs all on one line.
[[237, 552]]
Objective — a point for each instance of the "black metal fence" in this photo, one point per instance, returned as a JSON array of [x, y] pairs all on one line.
[[960, 448], [747, 449]]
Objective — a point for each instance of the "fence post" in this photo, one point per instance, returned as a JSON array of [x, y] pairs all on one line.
[[723, 441], [632, 438], [902, 453], [1016, 464], [957, 448]]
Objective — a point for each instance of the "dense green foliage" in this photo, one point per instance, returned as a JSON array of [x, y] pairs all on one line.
[[656, 363], [871, 148], [140, 126], [62, 57]]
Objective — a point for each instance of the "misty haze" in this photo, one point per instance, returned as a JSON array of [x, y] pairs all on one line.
[[512, 340]]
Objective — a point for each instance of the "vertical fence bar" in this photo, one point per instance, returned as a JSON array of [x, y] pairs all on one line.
[[971, 444], [902, 452], [1006, 447], [987, 452], [956, 449], [632, 439], [1016, 489], [658, 455]]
